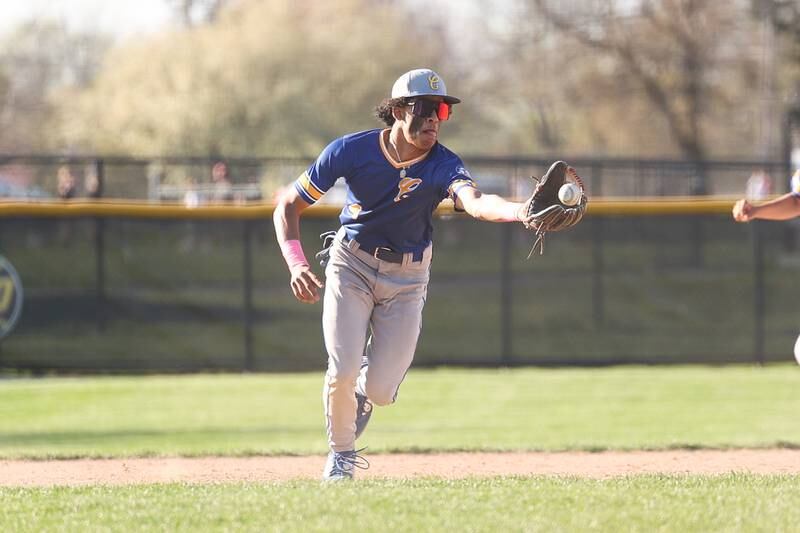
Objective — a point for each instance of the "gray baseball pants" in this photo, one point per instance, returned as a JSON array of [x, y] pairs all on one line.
[[364, 295]]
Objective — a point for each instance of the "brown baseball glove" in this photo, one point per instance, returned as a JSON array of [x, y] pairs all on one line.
[[543, 212]]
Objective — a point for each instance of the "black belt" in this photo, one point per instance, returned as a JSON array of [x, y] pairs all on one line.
[[384, 254]]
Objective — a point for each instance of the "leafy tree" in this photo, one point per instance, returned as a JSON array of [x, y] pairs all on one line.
[[269, 77], [274, 77]]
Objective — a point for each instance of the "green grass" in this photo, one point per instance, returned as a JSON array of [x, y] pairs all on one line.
[[447, 409], [733, 502]]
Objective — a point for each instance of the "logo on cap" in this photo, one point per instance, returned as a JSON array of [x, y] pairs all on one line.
[[433, 81]]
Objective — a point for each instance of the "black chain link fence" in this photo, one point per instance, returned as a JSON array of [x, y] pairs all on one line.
[[177, 295]]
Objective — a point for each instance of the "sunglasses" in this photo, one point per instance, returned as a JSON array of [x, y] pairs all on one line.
[[423, 108]]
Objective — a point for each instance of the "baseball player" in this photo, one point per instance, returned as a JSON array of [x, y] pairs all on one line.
[[378, 268], [781, 208]]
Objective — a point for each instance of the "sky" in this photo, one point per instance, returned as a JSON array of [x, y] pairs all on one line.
[[122, 18]]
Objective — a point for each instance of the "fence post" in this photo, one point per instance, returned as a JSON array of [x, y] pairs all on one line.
[[698, 187], [99, 252], [506, 315], [100, 273], [96, 188], [598, 294], [758, 292], [247, 260]]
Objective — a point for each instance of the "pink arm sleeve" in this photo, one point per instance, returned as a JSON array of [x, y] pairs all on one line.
[[293, 253]]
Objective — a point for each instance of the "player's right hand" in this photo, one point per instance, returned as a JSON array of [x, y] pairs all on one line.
[[305, 285], [743, 211]]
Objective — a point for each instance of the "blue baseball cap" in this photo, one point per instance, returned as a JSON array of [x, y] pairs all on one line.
[[421, 82]]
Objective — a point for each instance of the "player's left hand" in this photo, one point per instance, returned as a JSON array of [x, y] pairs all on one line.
[[743, 211], [305, 284], [544, 212]]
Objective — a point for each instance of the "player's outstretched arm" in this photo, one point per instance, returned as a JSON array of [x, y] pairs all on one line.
[[781, 208], [489, 207], [305, 285]]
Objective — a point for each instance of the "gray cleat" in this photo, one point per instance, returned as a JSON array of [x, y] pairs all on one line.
[[340, 466]]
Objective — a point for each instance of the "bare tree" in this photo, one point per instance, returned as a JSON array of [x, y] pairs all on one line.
[[193, 12], [785, 14], [666, 47], [785, 18], [37, 59]]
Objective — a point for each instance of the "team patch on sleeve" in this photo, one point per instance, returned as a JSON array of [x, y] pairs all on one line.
[[307, 189], [457, 185]]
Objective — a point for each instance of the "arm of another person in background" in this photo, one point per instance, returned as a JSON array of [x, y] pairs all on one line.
[[488, 207], [782, 208], [304, 283]]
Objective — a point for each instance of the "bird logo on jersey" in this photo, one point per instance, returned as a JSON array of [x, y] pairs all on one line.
[[405, 187]]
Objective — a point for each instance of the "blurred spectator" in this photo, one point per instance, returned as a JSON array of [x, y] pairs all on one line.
[[66, 183], [223, 188], [759, 185], [18, 181], [67, 189], [92, 184], [191, 198]]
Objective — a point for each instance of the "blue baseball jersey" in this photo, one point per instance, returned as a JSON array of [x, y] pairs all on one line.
[[387, 204]]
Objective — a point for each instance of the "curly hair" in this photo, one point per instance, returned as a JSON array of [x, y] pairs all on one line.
[[384, 110]]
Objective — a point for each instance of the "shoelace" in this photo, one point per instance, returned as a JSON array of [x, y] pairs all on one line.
[[343, 460]]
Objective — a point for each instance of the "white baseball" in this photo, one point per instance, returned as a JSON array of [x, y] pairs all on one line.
[[797, 350], [569, 194]]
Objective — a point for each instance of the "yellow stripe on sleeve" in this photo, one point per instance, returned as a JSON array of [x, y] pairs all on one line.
[[310, 189]]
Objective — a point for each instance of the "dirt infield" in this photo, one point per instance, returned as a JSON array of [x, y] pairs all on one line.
[[450, 465]]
